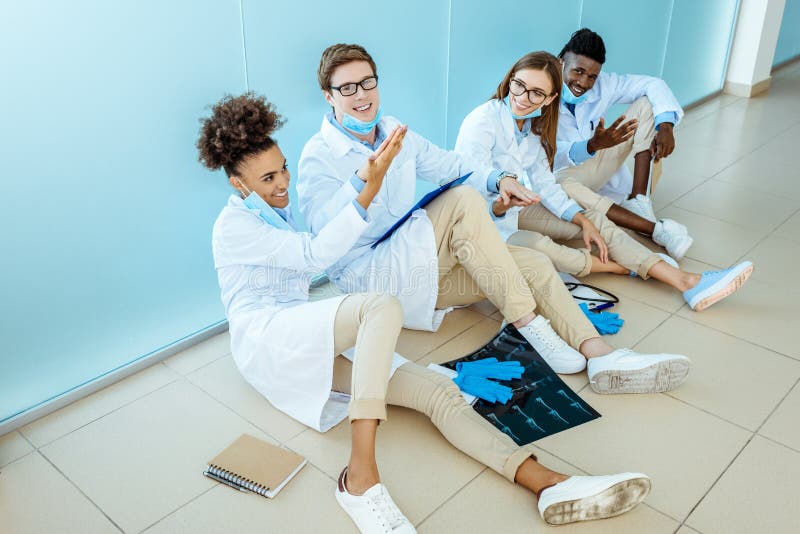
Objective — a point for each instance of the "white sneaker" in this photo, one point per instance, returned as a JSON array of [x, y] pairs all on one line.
[[672, 236], [562, 358], [626, 371], [584, 498], [640, 205], [374, 512]]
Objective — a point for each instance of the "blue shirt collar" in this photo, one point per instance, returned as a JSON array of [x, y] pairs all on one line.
[[379, 134], [525, 132]]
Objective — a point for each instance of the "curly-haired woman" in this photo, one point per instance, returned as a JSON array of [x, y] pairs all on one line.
[[286, 346]]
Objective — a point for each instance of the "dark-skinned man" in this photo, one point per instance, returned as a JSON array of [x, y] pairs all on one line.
[[590, 162]]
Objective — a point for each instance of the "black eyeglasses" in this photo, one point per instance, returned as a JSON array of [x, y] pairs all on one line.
[[535, 96], [349, 89]]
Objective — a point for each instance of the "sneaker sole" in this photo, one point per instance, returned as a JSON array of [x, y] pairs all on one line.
[[731, 287], [613, 501], [656, 378]]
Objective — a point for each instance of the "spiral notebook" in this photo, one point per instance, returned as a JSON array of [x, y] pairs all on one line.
[[252, 465]]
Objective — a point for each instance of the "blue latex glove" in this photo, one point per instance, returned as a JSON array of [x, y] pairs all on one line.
[[487, 390], [491, 368], [604, 322]]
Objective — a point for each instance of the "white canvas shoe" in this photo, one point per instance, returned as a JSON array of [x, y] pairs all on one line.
[[561, 357], [626, 371], [374, 512], [640, 205], [585, 498], [673, 236]]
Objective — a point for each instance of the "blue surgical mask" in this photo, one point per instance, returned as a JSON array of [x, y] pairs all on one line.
[[266, 212], [535, 113], [569, 98], [361, 127]]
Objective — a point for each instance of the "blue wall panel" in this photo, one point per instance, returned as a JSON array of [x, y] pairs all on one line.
[[106, 214], [408, 44], [697, 47], [485, 43], [635, 33], [788, 45]]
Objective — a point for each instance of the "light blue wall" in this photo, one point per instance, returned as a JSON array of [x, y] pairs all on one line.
[[789, 38], [105, 210], [105, 213]]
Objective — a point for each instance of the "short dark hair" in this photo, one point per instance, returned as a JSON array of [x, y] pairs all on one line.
[[238, 128], [585, 42], [337, 55]]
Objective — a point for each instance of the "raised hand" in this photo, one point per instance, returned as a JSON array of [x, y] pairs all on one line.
[[617, 133], [374, 168]]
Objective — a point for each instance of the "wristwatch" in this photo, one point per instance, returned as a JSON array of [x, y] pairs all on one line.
[[504, 175]]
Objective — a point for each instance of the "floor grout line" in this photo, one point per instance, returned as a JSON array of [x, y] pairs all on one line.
[[451, 497]]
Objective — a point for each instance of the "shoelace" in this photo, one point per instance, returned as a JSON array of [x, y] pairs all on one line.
[[550, 338], [388, 509]]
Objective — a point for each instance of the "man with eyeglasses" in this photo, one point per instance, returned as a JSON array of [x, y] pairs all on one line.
[[593, 153]]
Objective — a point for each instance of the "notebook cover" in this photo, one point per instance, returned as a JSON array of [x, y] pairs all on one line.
[[258, 461]]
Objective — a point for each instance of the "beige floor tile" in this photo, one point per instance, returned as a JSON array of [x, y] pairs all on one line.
[[490, 501], [780, 148], [36, 499], [767, 175], [201, 354], [758, 493], [687, 530], [146, 459], [730, 378], [775, 259], [419, 467], [790, 230], [222, 380], [698, 160], [764, 314], [306, 504], [640, 320], [763, 113], [705, 109], [715, 242], [681, 448], [712, 133], [674, 185], [782, 424], [84, 411], [12, 447], [739, 205], [413, 344]]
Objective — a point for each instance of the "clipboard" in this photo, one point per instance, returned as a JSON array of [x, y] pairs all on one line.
[[424, 201]]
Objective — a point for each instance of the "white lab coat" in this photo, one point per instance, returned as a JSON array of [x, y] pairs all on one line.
[[487, 140], [281, 343], [610, 89], [406, 265]]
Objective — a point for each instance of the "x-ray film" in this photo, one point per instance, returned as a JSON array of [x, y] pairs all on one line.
[[542, 403]]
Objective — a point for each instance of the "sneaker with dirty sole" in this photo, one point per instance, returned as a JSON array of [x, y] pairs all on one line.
[[716, 285], [626, 371], [584, 498]]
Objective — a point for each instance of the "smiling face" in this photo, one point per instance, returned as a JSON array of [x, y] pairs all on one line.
[[535, 80], [363, 105], [580, 72], [265, 174]]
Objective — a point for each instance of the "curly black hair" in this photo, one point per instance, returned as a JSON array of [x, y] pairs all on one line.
[[585, 42], [238, 128]]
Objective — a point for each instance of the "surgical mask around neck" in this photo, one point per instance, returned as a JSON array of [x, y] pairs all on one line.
[[569, 98], [535, 113], [265, 211], [358, 126]]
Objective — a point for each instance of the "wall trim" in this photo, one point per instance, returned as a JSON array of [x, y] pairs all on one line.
[[786, 63], [746, 90]]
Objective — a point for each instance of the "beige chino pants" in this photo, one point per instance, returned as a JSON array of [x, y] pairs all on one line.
[[581, 182]]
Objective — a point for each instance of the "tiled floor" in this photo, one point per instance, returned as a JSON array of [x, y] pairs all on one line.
[[723, 450]]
